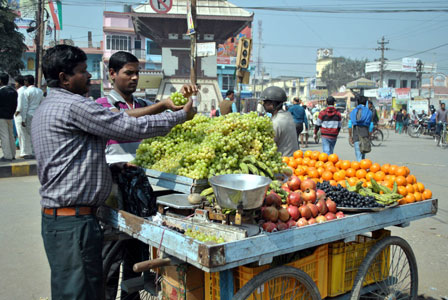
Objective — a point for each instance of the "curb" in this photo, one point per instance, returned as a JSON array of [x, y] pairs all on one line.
[[18, 169]]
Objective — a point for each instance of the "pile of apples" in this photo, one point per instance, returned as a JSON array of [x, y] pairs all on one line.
[[305, 205]]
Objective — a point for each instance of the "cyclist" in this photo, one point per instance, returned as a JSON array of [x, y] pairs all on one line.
[[441, 117], [375, 118]]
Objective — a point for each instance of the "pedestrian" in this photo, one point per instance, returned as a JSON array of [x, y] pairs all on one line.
[[399, 122], [124, 74], [33, 98], [307, 126], [405, 120], [329, 122], [360, 126], [8, 105], [213, 112], [299, 116], [375, 118], [282, 121], [228, 105], [24, 137], [69, 134], [441, 117]]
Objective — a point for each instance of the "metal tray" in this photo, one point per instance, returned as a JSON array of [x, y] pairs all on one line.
[[175, 182], [364, 209], [177, 201]]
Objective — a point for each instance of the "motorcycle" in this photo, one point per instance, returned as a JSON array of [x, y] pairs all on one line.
[[420, 127]]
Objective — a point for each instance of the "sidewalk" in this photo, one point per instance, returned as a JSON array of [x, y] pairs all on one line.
[[18, 167]]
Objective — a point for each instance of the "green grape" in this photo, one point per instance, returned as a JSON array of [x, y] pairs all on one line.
[[178, 99]]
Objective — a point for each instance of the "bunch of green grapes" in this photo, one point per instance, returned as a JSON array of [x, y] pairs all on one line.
[[205, 147], [178, 98], [203, 237]]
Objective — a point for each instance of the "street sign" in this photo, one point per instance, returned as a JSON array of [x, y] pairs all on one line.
[[161, 6]]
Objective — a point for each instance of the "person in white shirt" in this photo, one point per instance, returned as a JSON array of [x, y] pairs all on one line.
[[33, 98], [21, 131]]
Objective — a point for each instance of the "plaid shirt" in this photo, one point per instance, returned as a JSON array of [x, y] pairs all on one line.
[[69, 134]]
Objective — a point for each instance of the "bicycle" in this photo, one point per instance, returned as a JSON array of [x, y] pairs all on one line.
[[442, 139], [376, 137]]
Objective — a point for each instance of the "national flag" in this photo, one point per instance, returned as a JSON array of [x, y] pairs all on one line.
[[56, 13]]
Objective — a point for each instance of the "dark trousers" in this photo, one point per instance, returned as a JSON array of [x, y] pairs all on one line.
[[73, 247], [299, 128]]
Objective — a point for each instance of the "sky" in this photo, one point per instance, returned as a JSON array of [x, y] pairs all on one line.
[[293, 30]]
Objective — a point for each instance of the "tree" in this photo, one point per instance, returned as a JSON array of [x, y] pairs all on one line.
[[341, 71], [12, 44]]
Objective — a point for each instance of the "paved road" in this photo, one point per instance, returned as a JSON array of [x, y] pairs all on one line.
[[25, 272]]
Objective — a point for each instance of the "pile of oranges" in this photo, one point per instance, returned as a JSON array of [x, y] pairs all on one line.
[[319, 166]]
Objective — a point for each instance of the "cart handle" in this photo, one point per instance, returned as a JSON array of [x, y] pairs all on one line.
[[151, 264]]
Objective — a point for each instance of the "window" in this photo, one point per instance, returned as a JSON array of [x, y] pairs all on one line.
[[293, 91], [403, 83], [118, 42], [153, 48], [302, 90], [392, 83], [414, 84], [30, 64], [228, 82], [137, 43], [96, 66]]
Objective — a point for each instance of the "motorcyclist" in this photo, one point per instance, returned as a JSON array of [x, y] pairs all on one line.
[[432, 120], [285, 137]]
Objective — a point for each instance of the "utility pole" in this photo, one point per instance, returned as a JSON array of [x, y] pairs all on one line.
[[419, 76], [258, 67], [40, 41], [382, 49], [193, 78]]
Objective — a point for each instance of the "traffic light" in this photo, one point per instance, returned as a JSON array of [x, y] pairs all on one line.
[[243, 52]]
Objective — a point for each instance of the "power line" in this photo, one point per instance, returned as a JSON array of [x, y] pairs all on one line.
[[424, 51]]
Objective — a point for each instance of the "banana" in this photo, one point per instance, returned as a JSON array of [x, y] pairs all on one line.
[[375, 186], [250, 159], [253, 169], [395, 188], [244, 168], [261, 173], [207, 192], [261, 165]]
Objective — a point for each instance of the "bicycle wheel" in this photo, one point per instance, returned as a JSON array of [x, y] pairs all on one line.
[[279, 283], [376, 138], [414, 131], [444, 139], [389, 271]]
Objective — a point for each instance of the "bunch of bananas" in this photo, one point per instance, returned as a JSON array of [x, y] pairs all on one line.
[[250, 165]]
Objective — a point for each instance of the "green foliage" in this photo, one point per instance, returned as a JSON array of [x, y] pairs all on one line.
[[12, 44], [341, 71]]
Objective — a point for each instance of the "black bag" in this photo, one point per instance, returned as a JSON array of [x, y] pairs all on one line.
[[137, 195], [364, 144]]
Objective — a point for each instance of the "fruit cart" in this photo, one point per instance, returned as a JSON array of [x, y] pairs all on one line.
[[340, 260]]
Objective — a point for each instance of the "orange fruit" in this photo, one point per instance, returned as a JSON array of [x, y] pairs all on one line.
[[338, 176], [298, 154], [307, 153], [421, 187], [345, 164], [313, 173], [427, 194], [385, 168], [410, 198], [365, 163], [333, 158], [329, 163], [400, 180], [319, 164], [315, 155], [410, 188], [411, 179], [350, 172], [401, 171], [402, 190], [375, 168], [305, 161], [333, 182], [299, 161], [352, 181], [332, 169], [300, 171], [418, 196], [393, 169], [343, 173], [342, 183], [402, 201], [369, 176], [285, 159], [323, 157], [379, 176], [293, 163], [361, 173], [355, 165], [327, 175], [389, 184], [408, 171], [320, 170], [338, 164], [312, 163]]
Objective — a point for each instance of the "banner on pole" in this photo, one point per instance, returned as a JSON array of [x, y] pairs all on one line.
[[56, 13]]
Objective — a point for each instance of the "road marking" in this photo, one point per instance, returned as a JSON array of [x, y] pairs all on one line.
[[420, 164]]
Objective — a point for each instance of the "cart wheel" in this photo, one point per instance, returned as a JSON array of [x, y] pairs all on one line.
[[279, 283], [389, 271]]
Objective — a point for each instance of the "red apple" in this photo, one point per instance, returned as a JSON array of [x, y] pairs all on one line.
[[305, 212], [309, 196], [294, 198], [340, 215], [294, 183], [331, 205], [330, 216]]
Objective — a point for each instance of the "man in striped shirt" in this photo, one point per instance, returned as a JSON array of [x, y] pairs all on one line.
[[329, 123]]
